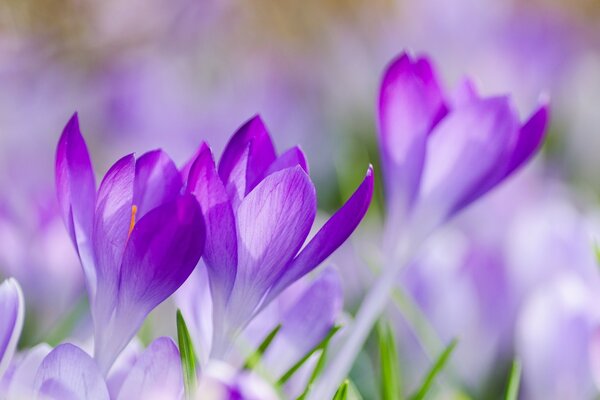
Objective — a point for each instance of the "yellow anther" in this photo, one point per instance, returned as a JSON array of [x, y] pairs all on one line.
[[132, 223]]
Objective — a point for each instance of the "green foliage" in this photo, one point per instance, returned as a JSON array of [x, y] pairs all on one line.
[[514, 381], [255, 357], [188, 357], [437, 367], [389, 367], [342, 392]]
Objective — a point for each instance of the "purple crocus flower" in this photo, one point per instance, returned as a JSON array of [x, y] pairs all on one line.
[[441, 152], [258, 208], [137, 237], [12, 310], [68, 372]]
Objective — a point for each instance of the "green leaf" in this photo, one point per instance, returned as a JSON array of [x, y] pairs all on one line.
[[316, 372], [322, 345], [188, 357], [438, 366], [342, 392], [390, 369], [514, 381], [255, 357]]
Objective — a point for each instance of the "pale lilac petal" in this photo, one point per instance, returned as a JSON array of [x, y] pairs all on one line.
[[220, 381], [156, 375], [123, 364], [157, 181], [75, 182], [464, 152], [69, 373], [220, 251], [331, 236], [12, 310], [23, 378], [163, 249], [111, 230], [410, 103], [307, 322], [245, 158], [273, 222], [292, 157]]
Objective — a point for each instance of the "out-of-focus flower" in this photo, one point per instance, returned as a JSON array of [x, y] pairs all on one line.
[[258, 208], [12, 309], [35, 250], [138, 238], [222, 382], [441, 152], [68, 372]]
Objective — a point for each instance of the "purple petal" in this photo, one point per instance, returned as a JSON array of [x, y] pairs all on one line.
[[245, 158], [75, 182], [307, 322], [156, 374], [23, 378], [331, 236], [463, 154], [410, 102], [292, 157], [157, 181], [273, 222], [530, 139], [69, 373], [12, 309], [163, 249], [122, 366], [76, 190], [220, 251], [111, 230]]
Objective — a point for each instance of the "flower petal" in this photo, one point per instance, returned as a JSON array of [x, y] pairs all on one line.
[[220, 251], [245, 158], [273, 222], [156, 374], [157, 181], [530, 139], [111, 229], [410, 101], [307, 322], [162, 251], [23, 378], [463, 154], [12, 310], [331, 236], [69, 373], [76, 190], [292, 157]]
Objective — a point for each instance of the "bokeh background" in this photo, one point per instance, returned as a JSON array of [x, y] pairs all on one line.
[[514, 276]]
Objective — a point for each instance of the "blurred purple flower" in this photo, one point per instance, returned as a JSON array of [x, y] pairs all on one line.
[[222, 382], [137, 237], [259, 208], [12, 310], [440, 153]]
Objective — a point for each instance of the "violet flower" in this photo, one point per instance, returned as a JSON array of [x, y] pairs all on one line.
[[68, 372], [258, 209], [12, 311], [137, 237], [443, 151]]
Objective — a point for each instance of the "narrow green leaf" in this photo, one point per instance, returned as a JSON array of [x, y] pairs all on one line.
[[438, 366], [514, 381], [255, 357], [322, 345], [390, 369], [188, 357], [316, 372], [342, 392]]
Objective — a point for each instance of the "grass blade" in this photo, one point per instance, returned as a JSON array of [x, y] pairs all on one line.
[[255, 357], [514, 381], [342, 392], [439, 365], [188, 357], [389, 367]]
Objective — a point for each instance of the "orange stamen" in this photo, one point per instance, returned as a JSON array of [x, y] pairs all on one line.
[[132, 223]]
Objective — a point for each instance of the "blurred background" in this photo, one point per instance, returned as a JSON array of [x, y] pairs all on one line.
[[516, 275]]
